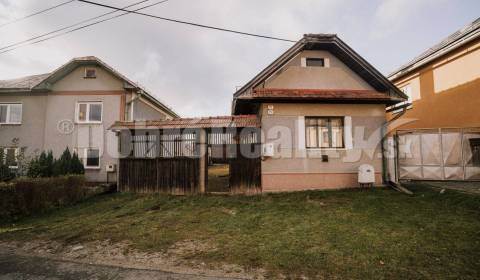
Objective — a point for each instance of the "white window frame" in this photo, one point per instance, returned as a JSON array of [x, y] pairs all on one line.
[[326, 62], [17, 153], [87, 120], [330, 134], [9, 107], [82, 154], [347, 135]]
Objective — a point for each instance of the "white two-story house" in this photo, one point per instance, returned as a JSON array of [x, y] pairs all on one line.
[[73, 107]]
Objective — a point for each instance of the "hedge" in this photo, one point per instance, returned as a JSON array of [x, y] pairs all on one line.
[[25, 196]]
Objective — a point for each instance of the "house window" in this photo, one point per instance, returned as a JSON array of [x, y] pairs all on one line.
[[324, 132], [9, 156], [10, 113], [315, 62], [408, 92], [90, 73], [89, 112], [90, 157]]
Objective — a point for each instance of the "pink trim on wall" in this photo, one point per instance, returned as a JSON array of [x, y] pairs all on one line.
[[285, 182], [96, 92]]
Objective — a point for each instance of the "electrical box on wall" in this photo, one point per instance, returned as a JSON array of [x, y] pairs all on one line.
[[110, 167], [268, 150], [270, 110]]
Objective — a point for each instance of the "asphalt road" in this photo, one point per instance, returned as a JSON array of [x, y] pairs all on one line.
[[13, 266]]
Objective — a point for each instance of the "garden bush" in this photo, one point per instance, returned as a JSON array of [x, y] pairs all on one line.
[[26, 196], [46, 166]]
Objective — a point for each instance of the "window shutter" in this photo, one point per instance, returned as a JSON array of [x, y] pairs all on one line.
[[348, 133], [326, 62], [303, 61], [301, 132]]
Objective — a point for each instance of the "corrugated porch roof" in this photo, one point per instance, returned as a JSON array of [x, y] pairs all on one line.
[[181, 123]]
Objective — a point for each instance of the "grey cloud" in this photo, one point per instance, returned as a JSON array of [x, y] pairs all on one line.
[[195, 71]]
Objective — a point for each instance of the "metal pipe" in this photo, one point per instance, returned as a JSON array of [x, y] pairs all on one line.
[[384, 136]]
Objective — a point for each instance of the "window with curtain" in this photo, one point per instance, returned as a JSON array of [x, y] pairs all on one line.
[[324, 132], [89, 112], [10, 113]]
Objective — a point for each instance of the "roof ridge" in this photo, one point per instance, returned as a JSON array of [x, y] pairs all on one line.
[[455, 36]]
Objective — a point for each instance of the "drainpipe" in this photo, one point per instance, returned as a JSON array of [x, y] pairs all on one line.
[[382, 144]]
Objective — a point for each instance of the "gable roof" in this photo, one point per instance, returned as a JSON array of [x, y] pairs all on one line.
[[23, 83], [457, 39], [333, 44], [43, 82]]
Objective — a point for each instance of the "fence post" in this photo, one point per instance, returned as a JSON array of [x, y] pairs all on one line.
[[202, 157]]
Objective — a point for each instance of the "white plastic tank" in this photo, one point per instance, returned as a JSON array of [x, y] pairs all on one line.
[[366, 174]]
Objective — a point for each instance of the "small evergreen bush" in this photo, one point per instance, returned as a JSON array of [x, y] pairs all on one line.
[[45, 165]]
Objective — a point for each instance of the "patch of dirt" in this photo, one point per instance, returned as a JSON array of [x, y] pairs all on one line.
[[227, 211], [177, 259]]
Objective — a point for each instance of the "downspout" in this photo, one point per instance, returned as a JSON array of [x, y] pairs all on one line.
[[382, 145]]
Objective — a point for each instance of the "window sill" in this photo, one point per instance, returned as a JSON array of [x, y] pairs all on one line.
[[10, 123], [88, 122], [92, 168], [325, 149]]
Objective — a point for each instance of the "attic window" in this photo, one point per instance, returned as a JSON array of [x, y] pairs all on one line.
[[90, 73], [315, 62]]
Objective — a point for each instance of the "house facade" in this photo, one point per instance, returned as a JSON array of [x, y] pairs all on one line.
[[73, 107], [322, 113], [437, 131], [442, 84]]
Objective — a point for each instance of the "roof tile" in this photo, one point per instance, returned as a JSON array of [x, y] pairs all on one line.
[[320, 94]]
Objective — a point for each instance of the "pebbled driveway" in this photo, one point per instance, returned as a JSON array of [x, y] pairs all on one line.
[[13, 266]]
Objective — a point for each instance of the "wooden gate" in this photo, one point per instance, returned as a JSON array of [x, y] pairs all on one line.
[[240, 149], [245, 174]]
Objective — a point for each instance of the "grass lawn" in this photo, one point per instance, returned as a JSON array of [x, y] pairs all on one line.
[[348, 234]]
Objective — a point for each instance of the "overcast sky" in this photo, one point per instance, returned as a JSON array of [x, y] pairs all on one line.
[[195, 71]]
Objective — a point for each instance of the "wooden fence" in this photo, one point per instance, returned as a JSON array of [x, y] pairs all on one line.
[[169, 161], [163, 175]]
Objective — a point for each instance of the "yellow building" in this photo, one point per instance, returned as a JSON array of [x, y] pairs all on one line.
[[443, 84], [438, 129]]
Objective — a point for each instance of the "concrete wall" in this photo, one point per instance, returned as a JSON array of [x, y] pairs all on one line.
[[336, 75], [295, 167], [30, 133], [143, 111], [62, 107], [75, 81], [445, 92]]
